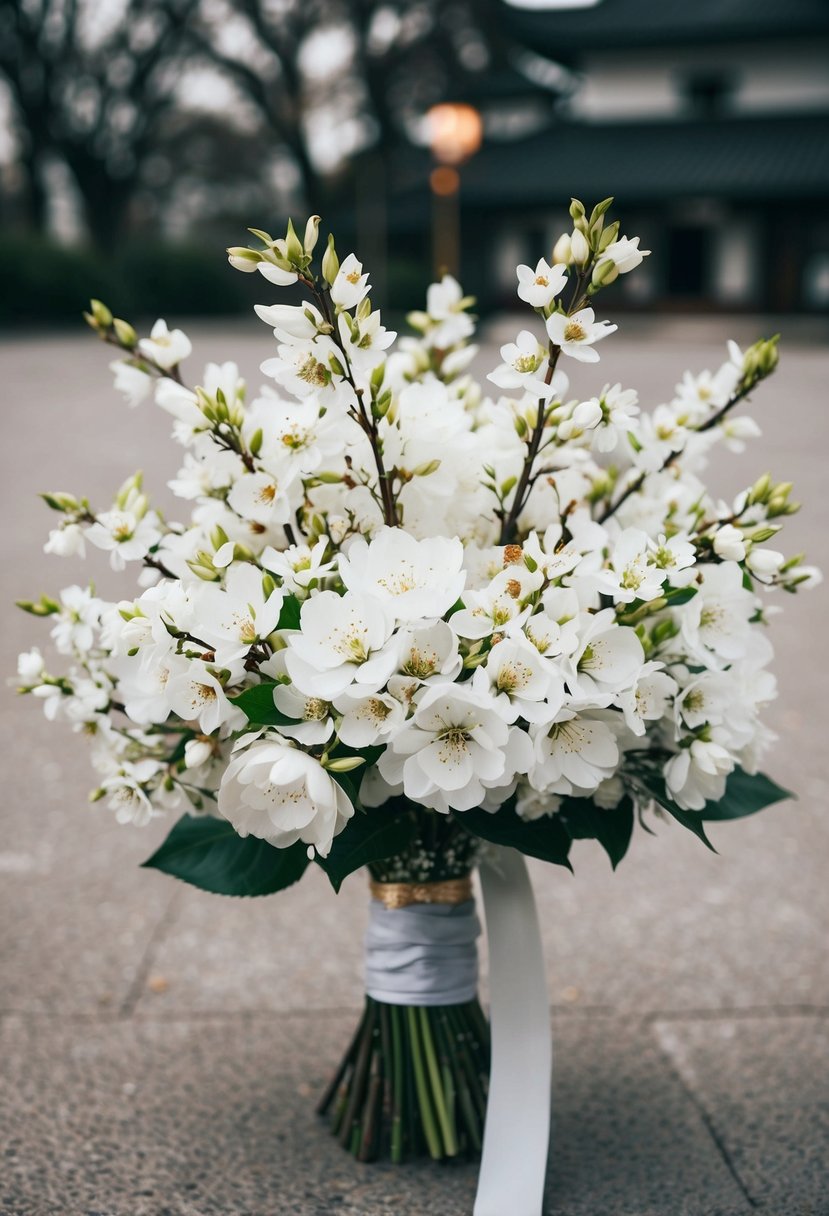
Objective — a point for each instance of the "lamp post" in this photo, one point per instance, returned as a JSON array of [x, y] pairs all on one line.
[[455, 133]]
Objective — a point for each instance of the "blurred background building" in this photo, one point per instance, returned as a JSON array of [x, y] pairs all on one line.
[[140, 136]]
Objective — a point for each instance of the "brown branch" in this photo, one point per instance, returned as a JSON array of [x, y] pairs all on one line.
[[639, 481]]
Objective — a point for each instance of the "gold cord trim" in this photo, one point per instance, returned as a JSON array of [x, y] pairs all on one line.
[[402, 894]]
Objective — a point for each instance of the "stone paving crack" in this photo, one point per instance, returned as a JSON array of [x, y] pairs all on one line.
[[707, 1122], [142, 971]]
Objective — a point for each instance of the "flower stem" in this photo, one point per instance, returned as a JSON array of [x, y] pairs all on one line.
[[445, 1111], [430, 1129], [397, 1086]]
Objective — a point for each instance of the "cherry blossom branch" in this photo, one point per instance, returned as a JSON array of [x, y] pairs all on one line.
[[639, 481], [526, 480], [362, 418]]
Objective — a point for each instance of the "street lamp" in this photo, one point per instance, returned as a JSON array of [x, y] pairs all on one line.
[[455, 130]]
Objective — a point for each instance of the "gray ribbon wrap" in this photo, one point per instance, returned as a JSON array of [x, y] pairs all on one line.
[[424, 954]]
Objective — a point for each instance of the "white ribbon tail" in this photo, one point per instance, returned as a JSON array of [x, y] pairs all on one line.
[[517, 1130]]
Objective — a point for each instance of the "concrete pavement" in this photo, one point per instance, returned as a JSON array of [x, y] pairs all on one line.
[[160, 1048]]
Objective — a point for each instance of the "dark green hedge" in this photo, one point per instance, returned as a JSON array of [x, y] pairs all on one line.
[[47, 284]]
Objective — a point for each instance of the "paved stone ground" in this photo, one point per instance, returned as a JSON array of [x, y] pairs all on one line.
[[160, 1048]]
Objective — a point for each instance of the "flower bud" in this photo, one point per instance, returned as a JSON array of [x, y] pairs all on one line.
[[580, 248], [197, 752], [426, 469], [760, 491], [125, 333], [101, 314], [576, 209], [243, 259], [344, 764], [764, 561], [61, 502], [609, 235], [563, 250], [605, 273], [293, 247], [312, 231], [330, 262], [729, 543]]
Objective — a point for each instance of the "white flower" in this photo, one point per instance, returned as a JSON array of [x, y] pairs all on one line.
[[609, 793], [585, 417], [697, 774], [131, 380], [299, 567], [303, 433], [273, 273], [144, 687], [364, 337], [620, 416], [504, 601], [303, 368], [291, 323], [165, 347], [66, 541], [539, 287], [263, 497], [455, 745], [674, 557], [523, 684], [429, 653], [74, 626], [729, 543], [234, 618], [524, 367], [609, 659], [415, 578], [312, 721], [716, 622], [367, 719], [574, 753], [576, 335], [648, 698], [126, 536], [280, 794], [196, 695], [30, 665], [632, 576], [625, 253], [342, 639], [530, 804], [350, 285], [129, 802], [445, 305]]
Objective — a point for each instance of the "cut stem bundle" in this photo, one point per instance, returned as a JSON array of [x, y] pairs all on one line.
[[413, 1081]]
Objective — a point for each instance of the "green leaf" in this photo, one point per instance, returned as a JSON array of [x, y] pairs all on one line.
[[289, 614], [745, 794], [544, 838], [257, 703], [680, 595], [370, 835], [654, 785], [612, 827], [207, 853]]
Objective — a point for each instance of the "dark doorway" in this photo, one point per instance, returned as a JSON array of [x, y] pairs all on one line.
[[688, 261]]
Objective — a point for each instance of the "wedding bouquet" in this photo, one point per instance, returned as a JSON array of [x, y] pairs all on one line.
[[407, 617]]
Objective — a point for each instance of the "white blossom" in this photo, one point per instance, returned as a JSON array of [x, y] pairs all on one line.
[[539, 287], [576, 334], [165, 347], [279, 793]]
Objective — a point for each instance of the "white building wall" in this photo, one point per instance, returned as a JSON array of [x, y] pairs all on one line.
[[624, 85]]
